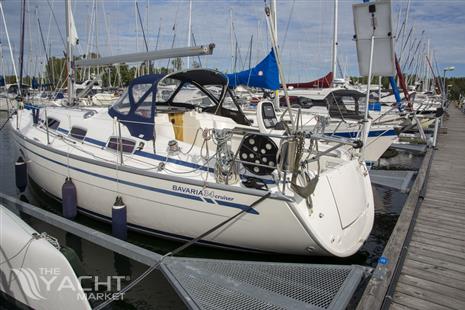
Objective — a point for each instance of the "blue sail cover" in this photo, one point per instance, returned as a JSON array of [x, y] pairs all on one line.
[[264, 75], [2, 80]]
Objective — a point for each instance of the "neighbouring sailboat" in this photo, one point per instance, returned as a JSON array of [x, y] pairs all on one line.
[[343, 107], [263, 75], [323, 82]]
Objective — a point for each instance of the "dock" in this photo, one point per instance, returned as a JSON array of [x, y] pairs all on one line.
[[423, 263], [225, 284]]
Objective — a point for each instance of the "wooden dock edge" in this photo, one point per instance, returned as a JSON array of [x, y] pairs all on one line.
[[377, 288]]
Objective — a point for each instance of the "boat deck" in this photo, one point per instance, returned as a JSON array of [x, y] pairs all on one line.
[[429, 272]]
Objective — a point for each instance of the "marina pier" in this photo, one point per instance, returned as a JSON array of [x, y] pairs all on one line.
[[424, 266]]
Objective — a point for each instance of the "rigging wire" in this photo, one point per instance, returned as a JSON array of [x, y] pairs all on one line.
[[56, 23], [180, 249], [283, 45]]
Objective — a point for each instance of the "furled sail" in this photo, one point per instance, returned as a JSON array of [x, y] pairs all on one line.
[[264, 75], [73, 36], [323, 82]]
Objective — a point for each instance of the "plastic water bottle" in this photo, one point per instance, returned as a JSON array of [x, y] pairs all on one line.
[[381, 271]]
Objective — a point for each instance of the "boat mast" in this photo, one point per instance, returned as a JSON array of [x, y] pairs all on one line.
[[9, 45], [275, 21], [280, 69], [274, 16], [21, 47], [69, 53], [426, 83], [404, 25], [147, 63], [231, 39], [334, 53], [43, 42], [189, 32]]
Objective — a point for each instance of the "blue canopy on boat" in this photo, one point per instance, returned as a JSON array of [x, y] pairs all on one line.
[[136, 108], [263, 75]]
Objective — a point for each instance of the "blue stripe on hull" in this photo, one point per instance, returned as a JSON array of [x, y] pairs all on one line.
[[373, 133], [150, 188], [160, 158]]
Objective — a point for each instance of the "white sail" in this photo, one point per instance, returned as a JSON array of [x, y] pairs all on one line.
[[73, 36]]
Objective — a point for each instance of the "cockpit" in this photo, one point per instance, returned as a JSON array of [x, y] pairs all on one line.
[[346, 104], [200, 90]]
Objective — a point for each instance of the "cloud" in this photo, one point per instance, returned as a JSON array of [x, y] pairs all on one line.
[[304, 29]]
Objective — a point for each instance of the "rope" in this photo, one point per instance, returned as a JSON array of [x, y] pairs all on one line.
[[225, 167], [70, 143], [35, 236], [178, 250], [6, 122]]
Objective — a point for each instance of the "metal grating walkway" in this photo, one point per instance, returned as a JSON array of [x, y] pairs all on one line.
[[218, 284], [222, 284]]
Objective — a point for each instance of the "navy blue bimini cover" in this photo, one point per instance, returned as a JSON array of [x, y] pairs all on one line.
[[263, 75], [136, 109]]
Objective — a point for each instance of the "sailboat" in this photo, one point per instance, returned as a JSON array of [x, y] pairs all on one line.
[[311, 198], [342, 108], [182, 164]]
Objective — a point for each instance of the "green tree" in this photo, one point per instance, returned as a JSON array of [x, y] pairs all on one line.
[[457, 87], [177, 63]]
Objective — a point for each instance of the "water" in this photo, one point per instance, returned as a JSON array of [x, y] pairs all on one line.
[[154, 292]]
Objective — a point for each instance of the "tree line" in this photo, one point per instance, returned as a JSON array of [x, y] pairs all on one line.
[[456, 85], [119, 75]]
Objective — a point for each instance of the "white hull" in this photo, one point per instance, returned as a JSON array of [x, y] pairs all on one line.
[[180, 207], [380, 138], [25, 273]]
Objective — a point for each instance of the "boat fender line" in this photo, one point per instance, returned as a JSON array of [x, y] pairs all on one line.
[[69, 199], [119, 228], [34, 236], [21, 174], [7, 120], [177, 250]]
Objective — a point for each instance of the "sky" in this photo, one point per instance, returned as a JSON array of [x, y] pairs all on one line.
[[304, 31]]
